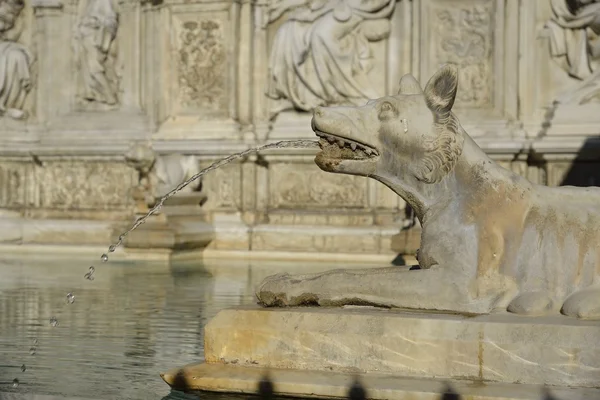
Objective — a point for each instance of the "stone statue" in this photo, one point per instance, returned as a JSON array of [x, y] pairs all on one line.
[[15, 61], [491, 240], [158, 174], [95, 49], [575, 43], [321, 54]]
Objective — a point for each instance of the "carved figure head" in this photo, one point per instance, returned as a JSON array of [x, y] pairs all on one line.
[[409, 139], [141, 156], [9, 11]]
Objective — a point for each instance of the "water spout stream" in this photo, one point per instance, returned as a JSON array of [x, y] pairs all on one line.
[[302, 143]]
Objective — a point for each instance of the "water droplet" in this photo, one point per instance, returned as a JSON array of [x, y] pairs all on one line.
[[104, 258], [35, 341], [15, 383], [23, 368], [90, 274], [121, 237], [32, 351], [70, 298], [53, 322], [112, 248]]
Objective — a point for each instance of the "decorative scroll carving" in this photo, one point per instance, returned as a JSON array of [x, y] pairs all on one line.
[[202, 67], [95, 48], [15, 61], [158, 175], [464, 37], [575, 43], [300, 185], [321, 55], [83, 185]]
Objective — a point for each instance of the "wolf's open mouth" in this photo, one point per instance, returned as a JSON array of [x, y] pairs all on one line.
[[342, 148]]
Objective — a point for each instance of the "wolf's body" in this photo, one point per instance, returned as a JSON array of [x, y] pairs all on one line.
[[490, 238]]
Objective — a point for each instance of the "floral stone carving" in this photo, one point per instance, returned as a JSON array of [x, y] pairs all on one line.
[[490, 239], [463, 36], [202, 67], [575, 43], [321, 55]]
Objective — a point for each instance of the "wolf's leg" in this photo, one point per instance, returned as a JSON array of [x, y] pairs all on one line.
[[427, 289], [583, 304]]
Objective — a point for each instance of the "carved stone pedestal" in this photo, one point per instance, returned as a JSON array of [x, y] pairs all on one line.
[[399, 355], [180, 226]]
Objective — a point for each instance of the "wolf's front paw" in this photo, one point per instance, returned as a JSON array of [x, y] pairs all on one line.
[[283, 290]]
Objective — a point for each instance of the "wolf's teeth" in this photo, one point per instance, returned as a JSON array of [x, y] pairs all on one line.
[[353, 146], [340, 142], [368, 151], [330, 139]]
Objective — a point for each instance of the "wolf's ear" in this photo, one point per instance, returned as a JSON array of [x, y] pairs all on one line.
[[440, 91], [409, 85]]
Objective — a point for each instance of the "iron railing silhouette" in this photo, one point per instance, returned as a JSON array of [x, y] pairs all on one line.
[[356, 391]]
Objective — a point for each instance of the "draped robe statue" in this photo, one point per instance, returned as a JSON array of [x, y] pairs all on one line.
[[95, 35], [574, 38], [15, 61], [321, 54]]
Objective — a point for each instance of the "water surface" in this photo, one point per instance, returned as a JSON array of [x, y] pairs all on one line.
[[133, 321]]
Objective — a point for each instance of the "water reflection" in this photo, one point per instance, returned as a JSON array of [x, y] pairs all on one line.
[[131, 322]]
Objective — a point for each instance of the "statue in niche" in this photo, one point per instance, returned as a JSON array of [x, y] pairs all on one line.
[[575, 42], [490, 240], [15, 61], [95, 50], [158, 174], [321, 55]]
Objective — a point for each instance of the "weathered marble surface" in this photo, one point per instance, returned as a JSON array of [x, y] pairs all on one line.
[[86, 79], [504, 348]]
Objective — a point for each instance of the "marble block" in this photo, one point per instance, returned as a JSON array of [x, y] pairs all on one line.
[[500, 347]]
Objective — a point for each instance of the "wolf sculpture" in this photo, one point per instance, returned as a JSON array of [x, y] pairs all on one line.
[[491, 240]]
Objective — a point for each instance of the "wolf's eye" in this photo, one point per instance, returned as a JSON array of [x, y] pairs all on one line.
[[386, 111], [386, 107]]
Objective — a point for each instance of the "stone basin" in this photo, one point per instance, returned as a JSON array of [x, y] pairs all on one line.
[[397, 354]]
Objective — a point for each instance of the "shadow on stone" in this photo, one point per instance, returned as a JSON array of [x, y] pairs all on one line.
[[265, 388], [450, 394], [584, 169], [357, 391]]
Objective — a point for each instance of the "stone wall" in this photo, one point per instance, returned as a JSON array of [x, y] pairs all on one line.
[[86, 79]]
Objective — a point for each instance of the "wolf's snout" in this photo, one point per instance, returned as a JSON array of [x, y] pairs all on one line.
[[318, 112]]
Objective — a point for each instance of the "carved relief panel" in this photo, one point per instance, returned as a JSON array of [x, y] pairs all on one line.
[[201, 66], [569, 57], [197, 59], [293, 185], [476, 36], [463, 35], [326, 52], [574, 44], [89, 70], [95, 48], [84, 186]]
